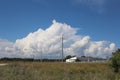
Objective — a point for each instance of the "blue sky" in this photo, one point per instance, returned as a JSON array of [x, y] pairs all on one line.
[[99, 19]]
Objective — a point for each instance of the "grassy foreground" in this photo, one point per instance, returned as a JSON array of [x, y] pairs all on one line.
[[57, 71]]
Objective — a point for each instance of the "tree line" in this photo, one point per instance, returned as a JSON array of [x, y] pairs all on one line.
[[29, 59]]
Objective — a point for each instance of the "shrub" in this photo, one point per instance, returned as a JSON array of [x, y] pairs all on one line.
[[116, 60]]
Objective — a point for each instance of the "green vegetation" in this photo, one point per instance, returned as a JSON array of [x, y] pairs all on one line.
[[116, 60], [57, 71]]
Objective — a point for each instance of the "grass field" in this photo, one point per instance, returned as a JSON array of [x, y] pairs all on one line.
[[57, 71]]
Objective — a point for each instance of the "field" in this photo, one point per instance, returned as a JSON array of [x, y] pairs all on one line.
[[57, 71]]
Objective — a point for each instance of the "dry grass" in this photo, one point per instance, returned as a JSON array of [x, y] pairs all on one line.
[[57, 71]]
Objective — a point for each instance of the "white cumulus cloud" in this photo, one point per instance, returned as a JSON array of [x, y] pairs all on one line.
[[47, 44], [6, 48]]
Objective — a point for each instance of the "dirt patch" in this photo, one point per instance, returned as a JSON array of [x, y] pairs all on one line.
[[3, 64]]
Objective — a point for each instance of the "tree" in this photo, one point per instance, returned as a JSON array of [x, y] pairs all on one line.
[[116, 60], [67, 57]]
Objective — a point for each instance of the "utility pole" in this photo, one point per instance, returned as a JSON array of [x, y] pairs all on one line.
[[88, 57], [41, 55], [62, 47]]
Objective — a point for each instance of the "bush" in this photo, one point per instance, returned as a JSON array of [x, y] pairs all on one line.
[[116, 60]]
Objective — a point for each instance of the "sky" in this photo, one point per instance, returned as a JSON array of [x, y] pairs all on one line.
[[98, 20]]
